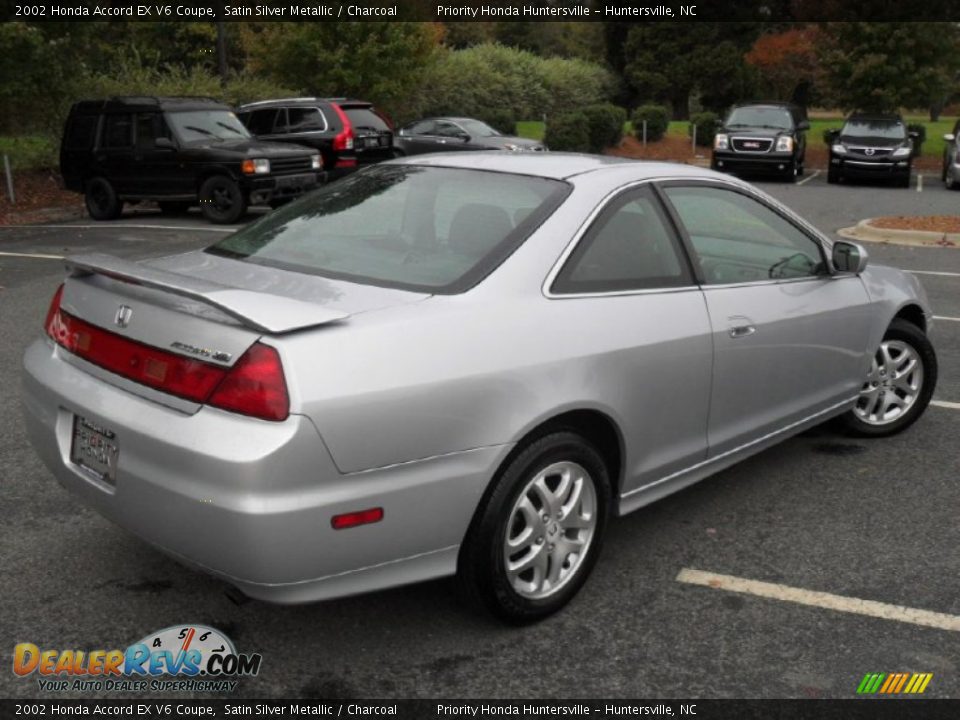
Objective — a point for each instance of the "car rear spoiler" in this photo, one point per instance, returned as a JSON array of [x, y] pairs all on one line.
[[259, 311]]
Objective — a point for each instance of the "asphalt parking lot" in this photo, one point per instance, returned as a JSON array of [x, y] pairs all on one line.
[[868, 519]]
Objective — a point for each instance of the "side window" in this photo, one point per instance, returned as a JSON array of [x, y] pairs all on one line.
[[150, 126], [447, 129], [118, 131], [628, 247], [260, 122], [425, 127], [739, 239], [305, 119]]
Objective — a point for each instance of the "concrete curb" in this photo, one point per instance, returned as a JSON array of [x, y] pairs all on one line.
[[864, 231]]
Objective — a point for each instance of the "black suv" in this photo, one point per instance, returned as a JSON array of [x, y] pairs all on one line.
[[871, 146], [178, 152], [348, 133], [762, 137]]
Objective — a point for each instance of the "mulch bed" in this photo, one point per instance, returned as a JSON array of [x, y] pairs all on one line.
[[926, 223], [36, 192]]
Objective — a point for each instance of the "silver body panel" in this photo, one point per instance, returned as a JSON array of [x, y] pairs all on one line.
[[411, 402]]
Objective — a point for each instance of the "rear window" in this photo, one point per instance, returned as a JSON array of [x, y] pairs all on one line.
[[365, 118], [419, 228]]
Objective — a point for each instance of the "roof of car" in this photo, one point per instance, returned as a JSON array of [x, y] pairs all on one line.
[[553, 165], [150, 102], [770, 103], [281, 102]]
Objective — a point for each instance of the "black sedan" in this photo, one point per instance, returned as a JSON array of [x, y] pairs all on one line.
[[871, 146], [454, 134]]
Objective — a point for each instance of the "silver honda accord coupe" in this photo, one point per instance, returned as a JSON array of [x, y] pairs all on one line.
[[460, 365]]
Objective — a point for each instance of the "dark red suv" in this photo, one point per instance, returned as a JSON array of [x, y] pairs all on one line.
[[348, 133]]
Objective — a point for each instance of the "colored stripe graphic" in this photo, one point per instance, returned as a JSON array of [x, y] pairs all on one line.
[[894, 683]]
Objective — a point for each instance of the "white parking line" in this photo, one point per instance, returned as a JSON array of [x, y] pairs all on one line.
[[944, 317], [121, 226], [37, 256], [808, 179], [945, 404], [870, 608], [919, 183], [933, 272]]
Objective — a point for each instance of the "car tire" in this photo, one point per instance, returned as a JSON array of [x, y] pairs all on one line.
[[101, 200], [904, 181], [948, 180], [833, 177], [550, 497], [792, 173], [904, 367], [221, 200], [177, 207]]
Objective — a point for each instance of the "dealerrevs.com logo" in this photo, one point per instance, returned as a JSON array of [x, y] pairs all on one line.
[[186, 658]]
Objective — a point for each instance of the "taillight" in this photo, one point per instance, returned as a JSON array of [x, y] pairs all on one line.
[[343, 140], [255, 386], [53, 311]]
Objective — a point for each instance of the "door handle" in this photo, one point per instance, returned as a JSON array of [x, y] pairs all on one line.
[[739, 331]]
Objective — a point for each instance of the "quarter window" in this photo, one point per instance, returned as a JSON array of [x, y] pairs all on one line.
[[739, 239], [628, 248]]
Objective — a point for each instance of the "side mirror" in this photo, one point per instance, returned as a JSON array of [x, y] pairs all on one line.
[[803, 125], [832, 135], [164, 143], [949, 137], [466, 138], [849, 257], [913, 134]]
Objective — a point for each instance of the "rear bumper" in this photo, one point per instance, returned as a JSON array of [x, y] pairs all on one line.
[[252, 501], [752, 162]]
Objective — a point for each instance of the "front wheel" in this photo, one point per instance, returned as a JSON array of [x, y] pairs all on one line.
[[833, 177], [899, 384], [221, 200], [536, 536]]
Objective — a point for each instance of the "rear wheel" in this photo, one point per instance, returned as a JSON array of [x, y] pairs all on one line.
[[221, 200], [536, 536], [899, 384], [101, 200]]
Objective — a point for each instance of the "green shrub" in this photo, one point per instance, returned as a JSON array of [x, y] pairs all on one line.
[[500, 119], [604, 125], [31, 152], [569, 132], [658, 120], [707, 124]]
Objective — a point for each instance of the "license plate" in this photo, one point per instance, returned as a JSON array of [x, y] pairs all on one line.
[[95, 449], [296, 181]]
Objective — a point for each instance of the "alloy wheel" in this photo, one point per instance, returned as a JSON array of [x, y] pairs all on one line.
[[550, 529], [893, 384]]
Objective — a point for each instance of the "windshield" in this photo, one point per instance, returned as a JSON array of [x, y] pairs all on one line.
[[889, 129], [206, 125], [760, 117], [475, 128], [419, 228]]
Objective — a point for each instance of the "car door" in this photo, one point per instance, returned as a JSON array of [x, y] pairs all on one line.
[[636, 297], [790, 339], [114, 155], [160, 171]]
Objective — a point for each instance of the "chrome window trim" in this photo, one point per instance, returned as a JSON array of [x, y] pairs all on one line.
[[815, 235]]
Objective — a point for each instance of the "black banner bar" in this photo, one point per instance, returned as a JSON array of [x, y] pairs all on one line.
[[479, 11], [872, 709]]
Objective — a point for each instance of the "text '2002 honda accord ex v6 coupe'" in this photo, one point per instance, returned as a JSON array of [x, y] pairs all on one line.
[[460, 365]]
